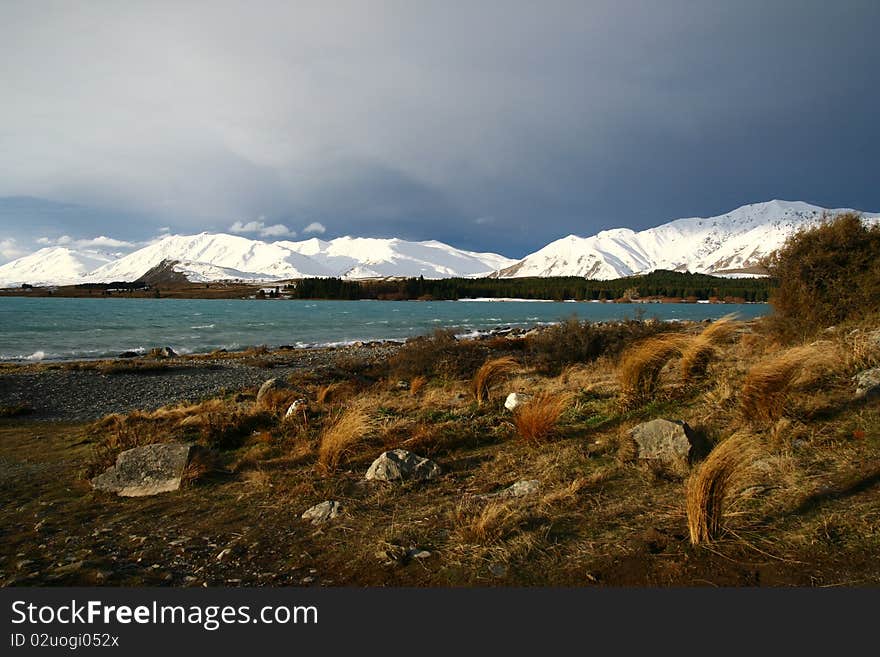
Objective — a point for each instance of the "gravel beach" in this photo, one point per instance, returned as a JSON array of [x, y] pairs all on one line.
[[62, 395]]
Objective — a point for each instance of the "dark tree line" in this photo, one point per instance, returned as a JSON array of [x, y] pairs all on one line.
[[665, 284]]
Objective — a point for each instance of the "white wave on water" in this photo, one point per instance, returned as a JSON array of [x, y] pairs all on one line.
[[203, 326], [37, 355]]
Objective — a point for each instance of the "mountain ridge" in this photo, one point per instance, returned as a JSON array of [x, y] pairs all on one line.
[[729, 244]]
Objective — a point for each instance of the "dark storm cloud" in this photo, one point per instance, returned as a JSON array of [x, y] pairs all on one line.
[[492, 125]]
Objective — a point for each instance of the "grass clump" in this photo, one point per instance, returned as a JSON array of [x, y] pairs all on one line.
[[768, 385], [698, 354], [340, 437], [538, 420], [640, 367], [710, 487], [491, 373]]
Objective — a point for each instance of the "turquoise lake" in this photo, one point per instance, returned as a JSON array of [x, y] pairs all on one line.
[[60, 329]]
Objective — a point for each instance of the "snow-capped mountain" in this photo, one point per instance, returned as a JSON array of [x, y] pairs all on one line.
[[207, 257], [713, 245], [364, 257], [721, 245], [212, 257], [54, 265]]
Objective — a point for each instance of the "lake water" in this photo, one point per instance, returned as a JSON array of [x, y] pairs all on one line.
[[59, 329]]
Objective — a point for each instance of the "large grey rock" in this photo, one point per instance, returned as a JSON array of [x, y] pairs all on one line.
[[522, 488], [146, 470], [516, 399], [322, 512], [868, 384], [663, 440], [401, 465]]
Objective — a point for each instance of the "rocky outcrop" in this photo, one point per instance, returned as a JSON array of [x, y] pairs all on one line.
[[401, 465], [664, 440], [146, 470], [323, 512]]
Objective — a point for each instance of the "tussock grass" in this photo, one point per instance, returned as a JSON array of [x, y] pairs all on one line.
[[487, 524], [710, 487], [697, 355], [538, 420], [417, 385], [327, 393], [340, 437], [639, 371], [490, 374], [768, 385]]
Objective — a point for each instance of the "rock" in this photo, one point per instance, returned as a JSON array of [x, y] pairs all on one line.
[[163, 352], [269, 385], [867, 384], [297, 407], [401, 465], [128, 354], [322, 512], [522, 488], [403, 385], [663, 440], [146, 470], [417, 553], [515, 400]]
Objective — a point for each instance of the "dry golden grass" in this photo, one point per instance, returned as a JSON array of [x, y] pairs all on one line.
[[202, 463], [700, 351], [487, 524], [339, 438], [326, 393], [639, 371], [417, 385], [768, 385], [538, 420], [490, 374], [709, 488]]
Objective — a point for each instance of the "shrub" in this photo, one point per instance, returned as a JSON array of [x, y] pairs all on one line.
[[827, 274], [440, 354], [490, 374], [573, 341]]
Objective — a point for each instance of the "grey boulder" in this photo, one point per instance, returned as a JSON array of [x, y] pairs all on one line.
[[323, 512], [867, 384], [664, 440], [146, 470], [268, 386], [401, 465]]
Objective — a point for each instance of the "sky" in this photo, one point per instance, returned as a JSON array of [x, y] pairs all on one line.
[[491, 125]]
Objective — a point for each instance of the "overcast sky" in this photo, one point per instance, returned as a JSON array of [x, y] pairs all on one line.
[[489, 125]]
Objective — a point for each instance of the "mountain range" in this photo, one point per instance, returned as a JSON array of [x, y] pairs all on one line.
[[730, 244]]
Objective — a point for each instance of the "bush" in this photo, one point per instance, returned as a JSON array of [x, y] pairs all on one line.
[[573, 341], [440, 354], [828, 274]]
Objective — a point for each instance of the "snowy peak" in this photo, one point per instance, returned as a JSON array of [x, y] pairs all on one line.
[[58, 265], [730, 242], [216, 256]]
